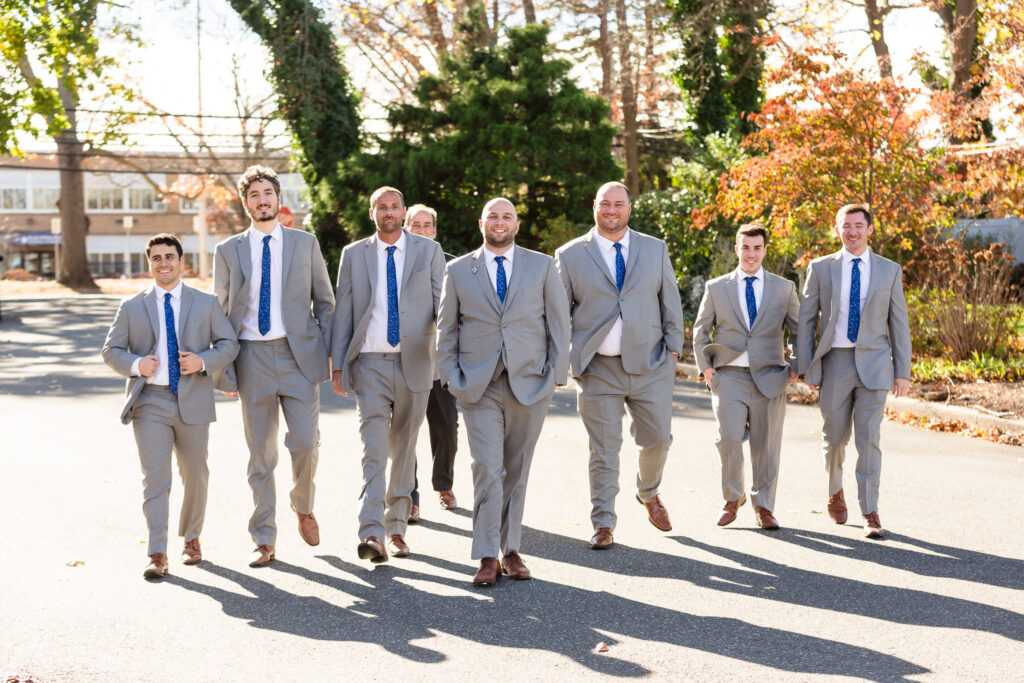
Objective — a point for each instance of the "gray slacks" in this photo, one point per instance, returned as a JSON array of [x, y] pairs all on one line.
[[604, 393], [502, 435], [847, 405], [390, 416], [738, 405], [159, 430], [268, 377]]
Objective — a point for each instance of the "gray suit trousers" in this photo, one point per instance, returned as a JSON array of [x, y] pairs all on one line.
[[390, 416], [738, 405], [502, 435], [605, 392], [268, 376], [159, 429], [847, 404]]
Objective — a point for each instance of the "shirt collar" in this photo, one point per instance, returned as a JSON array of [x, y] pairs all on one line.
[[743, 276], [848, 257], [607, 245], [256, 236], [175, 293], [508, 254], [382, 246]]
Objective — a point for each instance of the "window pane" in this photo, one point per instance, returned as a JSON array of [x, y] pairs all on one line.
[[45, 199], [141, 199]]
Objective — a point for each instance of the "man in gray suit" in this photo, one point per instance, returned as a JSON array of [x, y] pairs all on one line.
[[627, 334], [853, 304], [272, 282], [168, 341], [502, 347], [746, 312], [389, 285]]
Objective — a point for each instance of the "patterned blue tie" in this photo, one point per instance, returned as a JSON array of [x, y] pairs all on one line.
[[620, 267], [264, 312], [393, 335], [853, 323], [751, 301], [500, 283], [173, 369]]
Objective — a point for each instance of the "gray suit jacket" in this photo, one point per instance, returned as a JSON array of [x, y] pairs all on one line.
[[721, 315], [882, 351], [417, 307], [652, 316], [306, 289], [529, 332], [204, 330]]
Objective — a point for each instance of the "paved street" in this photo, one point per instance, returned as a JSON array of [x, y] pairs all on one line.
[[942, 598]]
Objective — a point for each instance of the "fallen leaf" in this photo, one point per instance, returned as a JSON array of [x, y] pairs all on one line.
[[601, 647], [75, 563], [769, 588]]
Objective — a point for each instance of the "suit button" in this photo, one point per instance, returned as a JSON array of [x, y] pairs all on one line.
[[504, 325]]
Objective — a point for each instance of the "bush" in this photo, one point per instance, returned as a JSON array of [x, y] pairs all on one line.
[[977, 367]]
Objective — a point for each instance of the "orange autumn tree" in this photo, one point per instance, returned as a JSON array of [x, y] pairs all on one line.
[[832, 135]]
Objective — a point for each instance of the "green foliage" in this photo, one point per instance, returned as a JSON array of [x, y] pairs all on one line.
[[978, 366], [497, 120]]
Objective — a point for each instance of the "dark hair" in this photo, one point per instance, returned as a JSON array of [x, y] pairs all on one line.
[[752, 230], [254, 173], [853, 208], [165, 238]]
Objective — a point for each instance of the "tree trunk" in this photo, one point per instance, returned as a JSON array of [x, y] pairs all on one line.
[[74, 261], [604, 48], [629, 125], [876, 31], [434, 26], [530, 12]]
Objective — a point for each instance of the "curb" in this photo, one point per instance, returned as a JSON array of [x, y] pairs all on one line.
[[917, 407]]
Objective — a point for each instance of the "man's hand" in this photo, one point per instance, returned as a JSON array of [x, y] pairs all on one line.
[[792, 378], [709, 374], [190, 362], [812, 387], [901, 386], [148, 366], [676, 356], [231, 394], [336, 383]]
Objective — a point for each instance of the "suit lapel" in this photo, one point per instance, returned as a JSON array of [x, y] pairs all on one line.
[[632, 256], [767, 289], [151, 301], [244, 253], [187, 295], [594, 249], [370, 259], [876, 282], [287, 254], [412, 252], [837, 285], [479, 270], [519, 264], [734, 298]]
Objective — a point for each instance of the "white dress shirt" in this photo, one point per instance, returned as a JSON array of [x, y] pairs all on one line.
[[162, 376], [376, 339], [839, 338], [251, 319], [743, 361], [612, 343], [492, 267]]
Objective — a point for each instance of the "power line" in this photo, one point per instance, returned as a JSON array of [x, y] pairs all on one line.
[[234, 117], [172, 171]]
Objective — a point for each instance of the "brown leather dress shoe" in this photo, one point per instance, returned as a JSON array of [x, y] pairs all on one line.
[[157, 567], [837, 508], [602, 539], [414, 515], [873, 526], [308, 528], [657, 513], [261, 556], [191, 553], [729, 510], [513, 567], [373, 550], [397, 546], [488, 573], [447, 500], [765, 519]]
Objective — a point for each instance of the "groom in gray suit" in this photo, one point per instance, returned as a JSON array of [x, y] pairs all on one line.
[[854, 301], [272, 282], [627, 334], [389, 285], [746, 312], [169, 341], [502, 347]]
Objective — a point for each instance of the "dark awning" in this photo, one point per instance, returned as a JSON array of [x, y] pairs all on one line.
[[32, 239]]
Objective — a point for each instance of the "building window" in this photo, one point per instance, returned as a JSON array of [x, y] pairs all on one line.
[[45, 198], [12, 198], [188, 205], [295, 198], [105, 199], [141, 199]]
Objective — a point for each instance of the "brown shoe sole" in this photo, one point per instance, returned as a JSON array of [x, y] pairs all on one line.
[[367, 552]]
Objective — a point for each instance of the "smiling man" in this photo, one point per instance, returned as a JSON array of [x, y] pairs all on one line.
[[746, 312], [272, 282], [502, 347], [168, 341], [854, 308]]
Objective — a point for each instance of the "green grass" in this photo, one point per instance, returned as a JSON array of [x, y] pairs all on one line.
[[982, 367]]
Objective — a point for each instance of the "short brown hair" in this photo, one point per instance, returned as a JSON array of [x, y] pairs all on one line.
[[254, 173], [165, 238], [418, 208], [383, 190], [853, 208], [752, 230], [615, 183]]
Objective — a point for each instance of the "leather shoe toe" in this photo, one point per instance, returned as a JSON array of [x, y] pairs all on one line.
[[157, 567], [191, 554], [373, 550], [447, 500], [602, 539], [308, 528], [488, 573], [656, 513], [513, 567], [414, 514], [837, 507], [261, 556], [766, 520], [729, 510], [397, 546]]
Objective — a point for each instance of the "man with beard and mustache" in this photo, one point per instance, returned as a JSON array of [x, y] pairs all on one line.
[[273, 284], [627, 334], [389, 285], [502, 343]]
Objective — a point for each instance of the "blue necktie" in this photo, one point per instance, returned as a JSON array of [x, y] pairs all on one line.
[[853, 322], [620, 267], [173, 369], [499, 280], [264, 312], [751, 301], [393, 335]]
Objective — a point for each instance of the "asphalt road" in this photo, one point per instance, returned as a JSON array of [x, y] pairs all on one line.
[[942, 598]]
